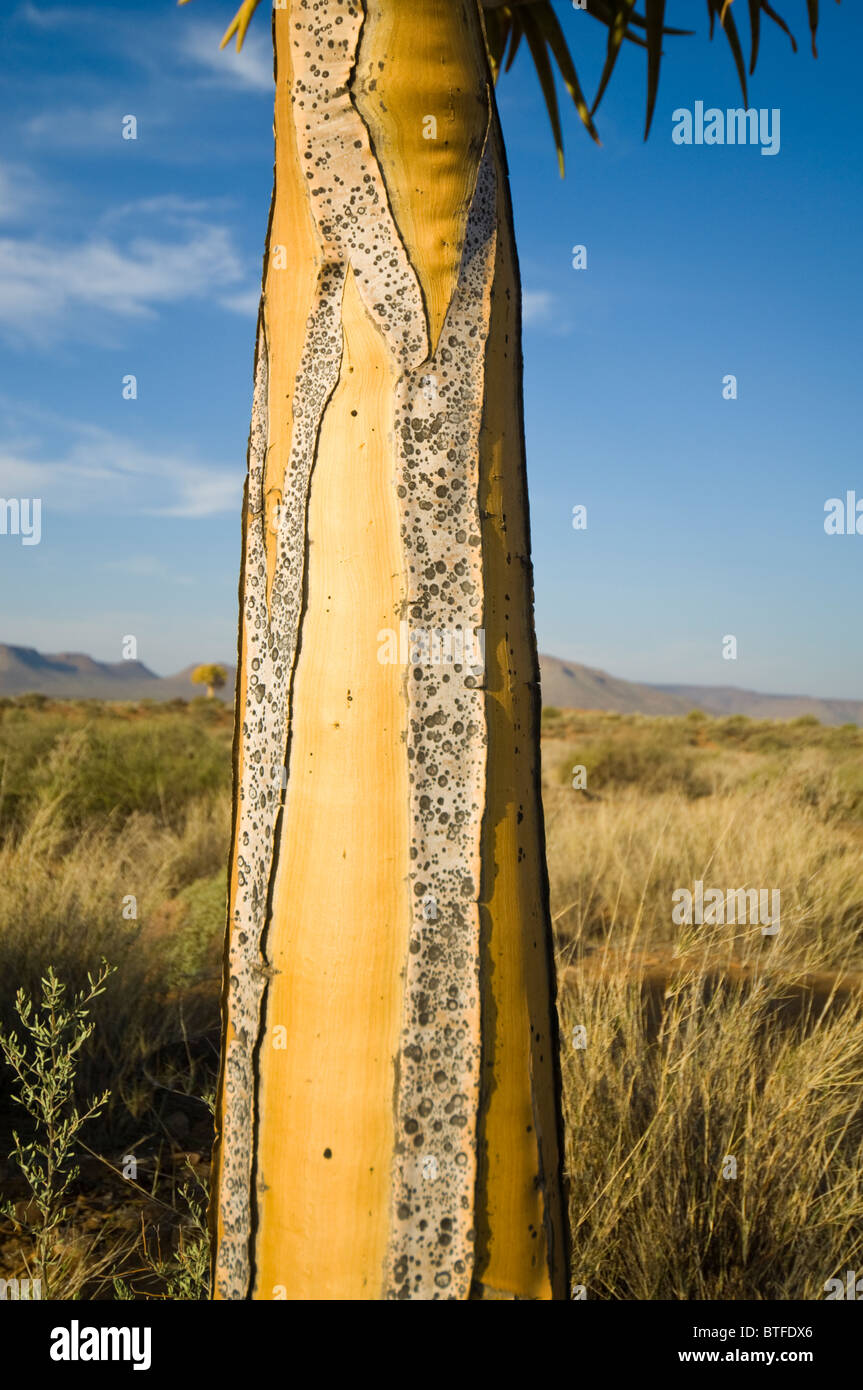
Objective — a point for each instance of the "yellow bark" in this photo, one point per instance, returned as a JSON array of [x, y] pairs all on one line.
[[339, 930], [388, 1115]]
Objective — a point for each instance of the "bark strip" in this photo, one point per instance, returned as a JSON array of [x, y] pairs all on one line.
[[438, 419], [356, 228], [272, 634]]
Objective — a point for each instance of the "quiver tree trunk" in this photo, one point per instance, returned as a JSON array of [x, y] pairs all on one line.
[[388, 1121]]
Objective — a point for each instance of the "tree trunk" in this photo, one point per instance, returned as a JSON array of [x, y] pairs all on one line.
[[388, 1117]]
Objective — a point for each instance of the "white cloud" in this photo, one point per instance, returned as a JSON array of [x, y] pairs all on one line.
[[20, 193], [250, 69], [100, 472], [54, 18], [171, 208], [536, 305], [175, 42], [148, 567], [203, 492], [246, 302], [89, 127], [45, 285]]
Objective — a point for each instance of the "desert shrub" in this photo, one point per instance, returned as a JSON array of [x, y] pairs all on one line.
[[650, 761], [111, 769], [32, 699], [195, 949], [68, 902], [157, 769], [734, 726]]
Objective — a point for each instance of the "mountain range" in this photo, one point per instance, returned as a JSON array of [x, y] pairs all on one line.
[[566, 684]]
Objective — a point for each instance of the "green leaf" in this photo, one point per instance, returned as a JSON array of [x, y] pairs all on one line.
[[726, 21], [616, 34], [777, 19], [755, 28], [553, 35], [812, 7], [513, 46], [536, 43], [496, 35], [654, 12], [601, 9]]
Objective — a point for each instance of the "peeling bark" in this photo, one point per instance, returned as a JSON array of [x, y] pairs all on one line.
[[438, 419]]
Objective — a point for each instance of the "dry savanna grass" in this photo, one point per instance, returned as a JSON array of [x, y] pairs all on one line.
[[114, 826], [712, 1073]]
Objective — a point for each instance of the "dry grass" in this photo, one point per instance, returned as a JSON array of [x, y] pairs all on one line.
[[703, 1044], [64, 905], [712, 1043], [615, 863], [99, 807]]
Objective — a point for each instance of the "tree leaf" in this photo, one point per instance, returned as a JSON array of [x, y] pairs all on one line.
[[812, 7], [727, 24], [496, 34], [616, 34], [513, 45], [654, 12], [539, 53], [777, 19], [601, 9], [755, 28], [240, 23], [553, 34]]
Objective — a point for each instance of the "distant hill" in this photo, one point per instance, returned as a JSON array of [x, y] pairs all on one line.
[[72, 673], [75, 676], [567, 684], [727, 699], [571, 686]]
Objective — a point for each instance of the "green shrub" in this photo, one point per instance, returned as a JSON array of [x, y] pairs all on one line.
[[653, 762], [111, 767], [195, 952]]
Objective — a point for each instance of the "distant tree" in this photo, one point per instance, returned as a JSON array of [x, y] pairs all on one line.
[[213, 677]]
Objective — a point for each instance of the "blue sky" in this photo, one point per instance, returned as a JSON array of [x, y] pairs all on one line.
[[705, 515]]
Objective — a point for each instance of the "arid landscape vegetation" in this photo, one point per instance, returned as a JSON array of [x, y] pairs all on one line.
[[683, 1047]]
